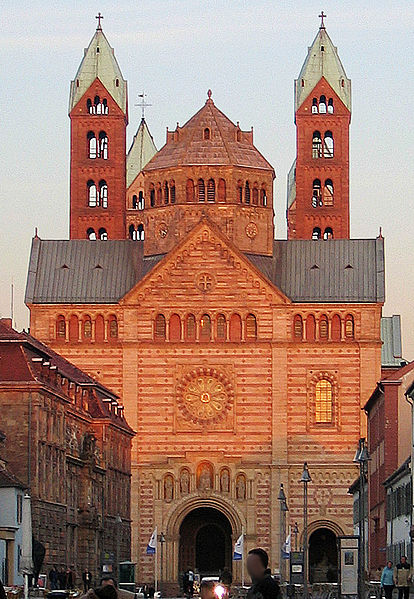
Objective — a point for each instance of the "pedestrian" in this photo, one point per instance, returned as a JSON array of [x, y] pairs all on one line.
[[2, 591], [207, 588], [69, 579], [54, 578], [387, 580], [402, 578], [226, 577], [87, 580], [264, 586], [62, 579]]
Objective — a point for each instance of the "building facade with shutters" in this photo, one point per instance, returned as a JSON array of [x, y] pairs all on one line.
[[238, 356]]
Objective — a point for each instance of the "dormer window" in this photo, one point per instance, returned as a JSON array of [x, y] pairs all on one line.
[[206, 133]]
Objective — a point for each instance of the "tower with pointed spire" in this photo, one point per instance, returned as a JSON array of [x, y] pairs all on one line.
[[318, 182], [98, 110]]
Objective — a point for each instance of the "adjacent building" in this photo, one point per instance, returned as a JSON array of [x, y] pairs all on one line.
[[68, 444]]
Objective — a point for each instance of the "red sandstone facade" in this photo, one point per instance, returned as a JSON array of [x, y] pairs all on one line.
[[230, 382]]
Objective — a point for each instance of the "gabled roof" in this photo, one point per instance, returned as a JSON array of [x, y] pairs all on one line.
[[228, 145], [9, 481], [99, 61], [335, 270], [140, 153], [322, 61]]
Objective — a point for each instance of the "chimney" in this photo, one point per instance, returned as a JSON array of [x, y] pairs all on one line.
[[7, 322]]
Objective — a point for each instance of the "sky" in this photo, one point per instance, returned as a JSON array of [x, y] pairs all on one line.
[[249, 53]]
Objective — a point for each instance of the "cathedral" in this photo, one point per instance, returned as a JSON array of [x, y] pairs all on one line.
[[238, 356]]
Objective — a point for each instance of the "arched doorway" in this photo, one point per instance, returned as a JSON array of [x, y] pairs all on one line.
[[205, 541], [323, 556]]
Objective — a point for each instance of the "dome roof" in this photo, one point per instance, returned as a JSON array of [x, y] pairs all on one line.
[[208, 138]]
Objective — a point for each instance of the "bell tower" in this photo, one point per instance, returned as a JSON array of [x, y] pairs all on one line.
[[98, 112], [318, 182]]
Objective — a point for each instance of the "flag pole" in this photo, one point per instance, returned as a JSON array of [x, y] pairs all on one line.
[[242, 560], [156, 561]]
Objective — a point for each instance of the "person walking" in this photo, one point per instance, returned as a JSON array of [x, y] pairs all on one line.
[[402, 578], [264, 586], [387, 580], [87, 580], [54, 578]]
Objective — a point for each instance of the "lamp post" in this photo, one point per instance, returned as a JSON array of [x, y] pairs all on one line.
[[162, 542], [296, 532], [283, 509], [118, 522], [305, 479], [362, 458]]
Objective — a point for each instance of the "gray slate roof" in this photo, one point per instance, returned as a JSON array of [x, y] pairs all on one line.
[[83, 271], [391, 351]]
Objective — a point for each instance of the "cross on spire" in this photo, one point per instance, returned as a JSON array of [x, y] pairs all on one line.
[[322, 16], [99, 16], [143, 104]]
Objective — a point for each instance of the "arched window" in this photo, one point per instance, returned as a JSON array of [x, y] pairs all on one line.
[[97, 105], [201, 190], [328, 145], [189, 190], [263, 196], [235, 328], [89, 106], [315, 106], [87, 328], [240, 192], [310, 328], [159, 194], [247, 193], [103, 194], [113, 327], [330, 106], [92, 145], [103, 145], [105, 106], [316, 145], [135, 202], [316, 233], [99, 328], [328, 193], [172, 191], [206, 133], [102, 234], [159, 327], [74, 328], [221, 328], [190, 328], [316, 193], [255, 199], [166, 193], [141, 201], [222, 190], [90, 233], [92, 194], [60, 327], [152, 195], [349, 327], [205, 328], [140, 232], [175, 328], [322, 105], [251, 327], [132, 232], [336, 328], [323, 402], [323, 327], [328, 233], [211, 191], [298, 327]]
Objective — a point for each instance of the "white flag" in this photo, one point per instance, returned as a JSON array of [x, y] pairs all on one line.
[[152, 545], [287, 546], [239, 548]]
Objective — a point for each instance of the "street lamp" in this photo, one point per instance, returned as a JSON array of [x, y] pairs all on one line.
[[362, 458], [162, 540], [283, 509], [305, 479], [118, 522]]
